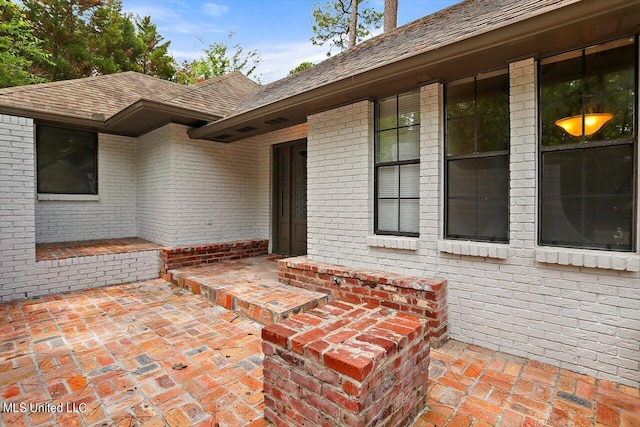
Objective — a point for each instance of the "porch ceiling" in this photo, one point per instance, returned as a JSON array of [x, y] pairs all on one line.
[[580, 24]]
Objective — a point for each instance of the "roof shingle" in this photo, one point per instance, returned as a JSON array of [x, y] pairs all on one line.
[[455, 23]]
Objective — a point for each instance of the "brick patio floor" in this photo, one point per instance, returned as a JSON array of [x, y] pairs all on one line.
[[53, 251], [153, 354]]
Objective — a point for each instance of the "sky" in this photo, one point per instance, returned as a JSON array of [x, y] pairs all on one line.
[[279, 30]]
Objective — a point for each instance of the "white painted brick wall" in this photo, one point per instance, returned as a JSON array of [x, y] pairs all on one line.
[[196, 191], [75, 274], [339, 165], [580, 318], [155, 187], [17, 212], [216, 190], [113, 216]]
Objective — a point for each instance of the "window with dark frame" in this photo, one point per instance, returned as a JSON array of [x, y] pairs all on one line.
[[477, 158], [397, 165], [588, 147], [67, 160]]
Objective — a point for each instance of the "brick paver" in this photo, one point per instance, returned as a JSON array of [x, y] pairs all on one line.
[[474, 386], [154, 354], [53, 251], [247, 286], [147, 353]]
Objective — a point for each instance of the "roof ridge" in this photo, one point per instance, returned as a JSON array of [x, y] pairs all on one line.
[[208, 82], [79, 80]]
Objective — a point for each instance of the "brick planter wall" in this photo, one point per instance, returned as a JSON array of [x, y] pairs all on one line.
[[346, 365], [187, 256], [414, 295]]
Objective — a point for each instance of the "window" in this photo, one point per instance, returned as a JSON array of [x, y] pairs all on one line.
[[477, 158], [588, 146], [397, 165], [67, 161]]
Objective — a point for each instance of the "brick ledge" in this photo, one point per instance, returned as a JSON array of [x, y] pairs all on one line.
[[607, 260], [479, 249]]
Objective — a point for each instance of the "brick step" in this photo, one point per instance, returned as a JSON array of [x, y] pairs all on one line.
[[239, 287]]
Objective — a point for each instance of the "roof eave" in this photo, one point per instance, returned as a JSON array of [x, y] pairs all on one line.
[[518, 30], [90, 124], [145, 115]]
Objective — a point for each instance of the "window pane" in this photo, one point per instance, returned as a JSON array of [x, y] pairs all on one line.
[[600, 82], [478, 198], [387, 114], [388, 181], [387, 215], [493, 132], [397, 140], [560, 97], [409, 216], [409, 143], [460, 98], [410, 180], [387, 146], [409, 109], [587, 197], [492, 105], [66, 161], [460, 136]]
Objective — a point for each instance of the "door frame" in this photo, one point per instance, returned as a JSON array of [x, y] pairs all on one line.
[[275, 201]]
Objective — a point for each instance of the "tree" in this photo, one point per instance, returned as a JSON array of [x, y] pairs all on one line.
[[114, 44], [154, 59], [19, 48], [390, 15], [219, 59], [64, 32], [342, 24], [91, 37], [303, 66]]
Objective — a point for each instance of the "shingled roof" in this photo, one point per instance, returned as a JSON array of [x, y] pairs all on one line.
[[85, 98], [337, 76], [219, 95], [105, 100], [468, 37], [453, 24]]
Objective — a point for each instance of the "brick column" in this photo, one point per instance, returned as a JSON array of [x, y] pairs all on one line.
[[17, 208], [431, 155], [346, 365], [522, 204]]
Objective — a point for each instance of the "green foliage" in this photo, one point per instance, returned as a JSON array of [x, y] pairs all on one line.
[[92, 37], [19, 48], [154, 59], [114, 44], [331, 23], [303, 66], [64, 34], [219, 59]]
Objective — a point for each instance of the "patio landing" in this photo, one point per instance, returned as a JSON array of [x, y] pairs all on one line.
[[248, 287], [152, 354]]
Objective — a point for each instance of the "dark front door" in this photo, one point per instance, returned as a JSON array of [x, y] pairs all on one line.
[[290, 198]]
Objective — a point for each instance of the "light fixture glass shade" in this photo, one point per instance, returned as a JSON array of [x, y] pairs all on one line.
[[592, 123]]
